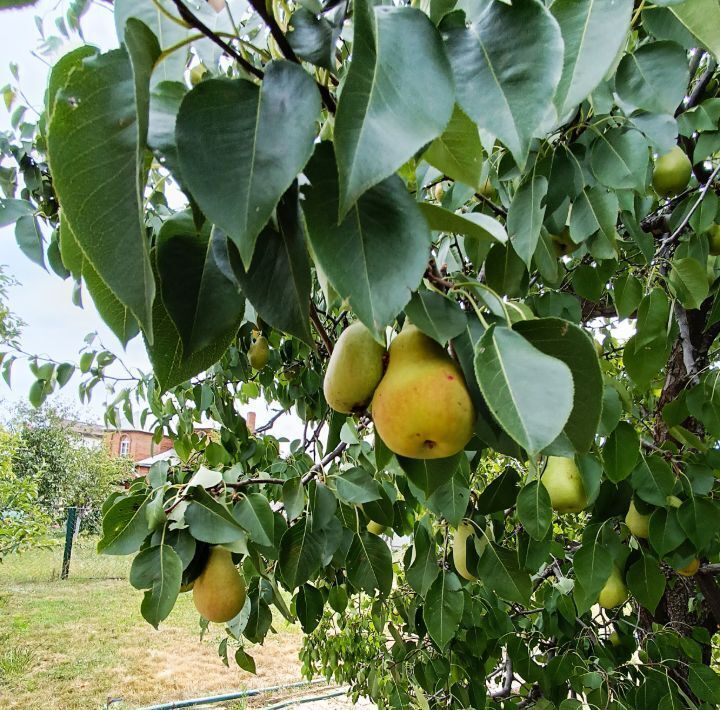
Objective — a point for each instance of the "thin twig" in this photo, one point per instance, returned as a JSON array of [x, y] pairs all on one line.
[[315, 319], [269, 424], [256, 481], [318, 467]]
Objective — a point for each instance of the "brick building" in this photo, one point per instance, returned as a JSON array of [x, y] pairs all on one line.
[[136, 443]]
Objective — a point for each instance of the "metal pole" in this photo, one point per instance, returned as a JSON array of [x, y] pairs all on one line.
[[69, 537]]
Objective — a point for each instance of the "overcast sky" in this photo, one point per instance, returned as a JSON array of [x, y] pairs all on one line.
[[54, 326]]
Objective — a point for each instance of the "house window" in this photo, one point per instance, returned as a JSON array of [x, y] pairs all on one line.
[[125, 446]]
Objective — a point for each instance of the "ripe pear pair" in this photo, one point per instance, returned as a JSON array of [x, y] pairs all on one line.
[[219, 592], [420, 405]]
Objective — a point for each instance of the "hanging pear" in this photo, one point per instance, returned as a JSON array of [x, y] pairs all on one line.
[[422, 408], [354, 370], [219, 592]]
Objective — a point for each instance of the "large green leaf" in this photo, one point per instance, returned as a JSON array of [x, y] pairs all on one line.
[[458, 153], [384, 240], [593, 32], [429, 474], [569, 343], [704, 681], [167, 31], [124, 525], [443, 608], [525, 216], [117, 316], [500, 494], [202, 302], [534, 510], [520, 385], [398, 96], [300, 552], [646, 582], [356, 486], [479, 226], [423, 569], [665, 531], [507, 87], [593, 565], [699, 519], [702, 19], [653, 480], [241, 146], [500, 571], [159, 570], [437, 316], [253, 512], [688, 281], [654, 77], [209, 520], [619, 159], [96, 140], [369, 564], [621, 451]]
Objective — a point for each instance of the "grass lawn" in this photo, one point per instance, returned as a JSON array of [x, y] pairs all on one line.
[[82, 642]]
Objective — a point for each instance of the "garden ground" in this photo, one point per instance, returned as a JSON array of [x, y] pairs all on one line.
[[80, 643]]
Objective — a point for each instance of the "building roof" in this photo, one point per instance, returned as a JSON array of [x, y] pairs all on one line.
[[150, 460]]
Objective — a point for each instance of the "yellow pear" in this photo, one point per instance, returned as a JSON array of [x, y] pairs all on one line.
[[564, 484], [691, 569], [672, 173], [614, 592], [258, 353], [354, 370], [637, 522], [459, 547], [422, 408], [219, 592], [376, 528]]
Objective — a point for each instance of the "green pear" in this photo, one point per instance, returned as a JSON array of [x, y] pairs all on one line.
[[615, 639], [459, 547], [714, 240], [354, 370], [219, 592], [637, 522], [258, 353], [563, 243], [564, 484], [691, 569], [422, 408], [614, 592], [672, 173]]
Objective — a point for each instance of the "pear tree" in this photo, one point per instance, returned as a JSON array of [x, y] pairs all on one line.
[[472, 246]]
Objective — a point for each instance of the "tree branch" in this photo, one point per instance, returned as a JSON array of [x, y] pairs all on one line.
[[506, 688], [256, 481], [315, 319], [318, 467], [688, 351], [199, 25], [269, 424]]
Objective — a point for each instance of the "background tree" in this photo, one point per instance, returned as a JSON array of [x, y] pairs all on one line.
[[533, 185]]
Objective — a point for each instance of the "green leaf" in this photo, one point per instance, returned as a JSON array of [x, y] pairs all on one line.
[[278, 282], [165, 29], [241, 146], [159, 570], [593, 31], [429, 474], [369, 564], [437, 316], [505, 272], [443, 608], [356, 486], [11, 210], [654, 77], [423, 570], [646, 582], [665, 533], [450, 500], [293, 496], [701, 19], [525, 216], [500, 571], [97, 168], [653, 480], [165, 100], [520, 384], [209, 520], [572, 345], [312, 38], [698, 517], [592, 565], [300, 552], [384, 241], [245, 661], [458, 153], [688, 281], [398, 96], [619, 159], [202, 302], [644, 362], [253, 512], [482, 227], [621, 451], [704, 681], [500, 494], [627, 295], [534, 510], [309, 605], [594, 210], [507, 88], [124, 526], [30, 240]]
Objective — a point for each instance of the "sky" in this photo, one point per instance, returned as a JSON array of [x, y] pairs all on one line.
[[54, 326]]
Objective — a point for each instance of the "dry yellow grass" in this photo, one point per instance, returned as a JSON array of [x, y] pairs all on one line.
[[76, 644]]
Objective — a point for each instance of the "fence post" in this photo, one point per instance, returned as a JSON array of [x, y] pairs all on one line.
[[69, 537]]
